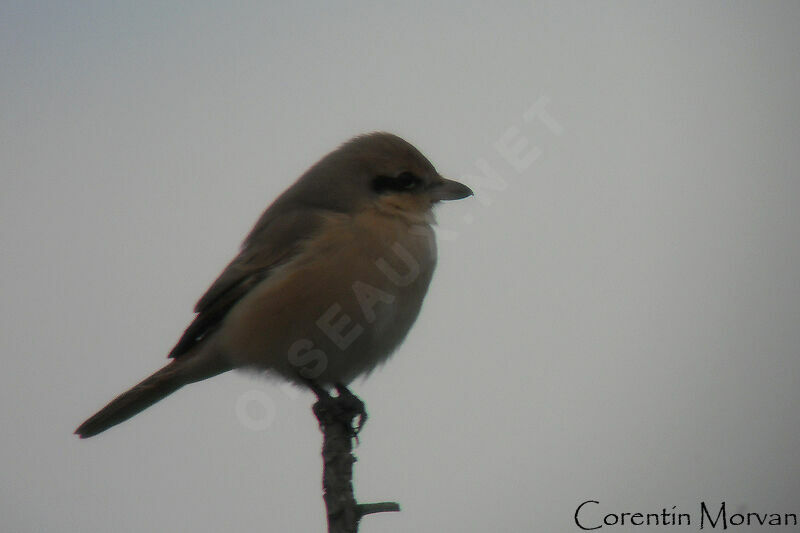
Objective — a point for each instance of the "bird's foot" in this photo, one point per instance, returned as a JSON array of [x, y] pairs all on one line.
[[355, 406], [343, 409]]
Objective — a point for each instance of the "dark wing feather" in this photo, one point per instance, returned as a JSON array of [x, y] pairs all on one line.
[[275, 239]]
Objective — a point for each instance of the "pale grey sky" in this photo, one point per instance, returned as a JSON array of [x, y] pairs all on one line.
[[616, 318]]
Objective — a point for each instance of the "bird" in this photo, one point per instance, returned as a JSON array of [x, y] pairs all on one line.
[[325, 286]]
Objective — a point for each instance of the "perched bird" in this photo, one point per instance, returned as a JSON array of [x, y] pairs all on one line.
[[325, 286]]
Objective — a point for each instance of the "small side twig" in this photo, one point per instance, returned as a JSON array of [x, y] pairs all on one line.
[[336, 415]]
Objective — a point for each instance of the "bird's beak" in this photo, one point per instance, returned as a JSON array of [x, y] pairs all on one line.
[[449, 190]]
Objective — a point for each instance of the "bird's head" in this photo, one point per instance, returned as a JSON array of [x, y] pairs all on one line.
[[377, 169]]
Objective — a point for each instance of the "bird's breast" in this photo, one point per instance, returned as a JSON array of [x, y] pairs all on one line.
[[341, 306]]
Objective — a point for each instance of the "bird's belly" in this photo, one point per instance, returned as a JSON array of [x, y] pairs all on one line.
[[336, 311]]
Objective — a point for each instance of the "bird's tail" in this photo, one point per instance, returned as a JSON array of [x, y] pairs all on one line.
[[149, 391]]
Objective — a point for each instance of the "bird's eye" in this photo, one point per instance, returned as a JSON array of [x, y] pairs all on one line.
[[405, 181]]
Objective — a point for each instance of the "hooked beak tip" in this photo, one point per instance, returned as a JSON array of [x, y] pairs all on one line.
[[451, 190]]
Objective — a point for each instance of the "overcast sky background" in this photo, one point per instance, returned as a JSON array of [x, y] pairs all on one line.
[[618, 319]]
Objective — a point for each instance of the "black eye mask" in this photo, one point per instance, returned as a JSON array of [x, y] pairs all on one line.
[[404, 182]]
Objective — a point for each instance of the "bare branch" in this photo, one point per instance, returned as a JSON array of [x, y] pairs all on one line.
[[336, 415]]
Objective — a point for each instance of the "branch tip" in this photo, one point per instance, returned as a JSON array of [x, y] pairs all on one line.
[[363, 509]]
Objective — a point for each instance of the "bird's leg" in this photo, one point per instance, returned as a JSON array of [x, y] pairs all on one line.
[[318, 390]]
